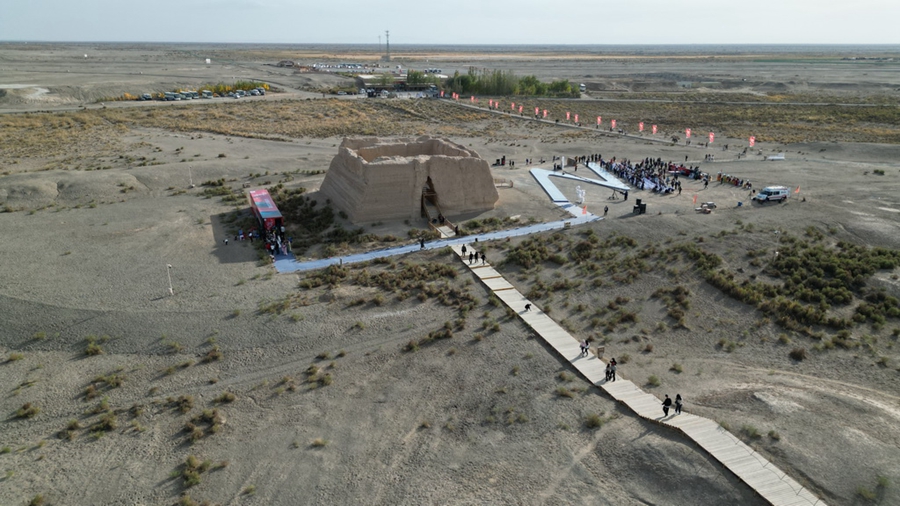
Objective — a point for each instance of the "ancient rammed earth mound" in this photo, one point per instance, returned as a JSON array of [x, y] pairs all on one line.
[[374, 179]]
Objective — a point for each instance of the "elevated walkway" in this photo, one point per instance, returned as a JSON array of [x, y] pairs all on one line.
[[771, 483]]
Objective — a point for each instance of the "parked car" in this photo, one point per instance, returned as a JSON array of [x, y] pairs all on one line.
[[254, 92], [262, 91], [770, 193]]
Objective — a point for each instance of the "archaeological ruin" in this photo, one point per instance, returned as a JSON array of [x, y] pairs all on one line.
[[374, 179]]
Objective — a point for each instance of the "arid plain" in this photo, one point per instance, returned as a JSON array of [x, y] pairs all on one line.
[[253, 387]]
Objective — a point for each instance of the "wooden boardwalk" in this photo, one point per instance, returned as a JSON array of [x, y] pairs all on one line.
[[749, 466]]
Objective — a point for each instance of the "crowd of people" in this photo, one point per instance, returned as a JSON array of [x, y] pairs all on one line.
[[733, 180], [276, 243]]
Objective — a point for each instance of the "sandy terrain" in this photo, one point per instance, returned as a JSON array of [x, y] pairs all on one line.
[[101, 204]]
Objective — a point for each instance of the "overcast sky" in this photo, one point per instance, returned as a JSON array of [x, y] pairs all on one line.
[[456, 22]]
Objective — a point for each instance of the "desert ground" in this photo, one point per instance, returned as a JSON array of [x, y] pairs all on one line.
[[251, 387]]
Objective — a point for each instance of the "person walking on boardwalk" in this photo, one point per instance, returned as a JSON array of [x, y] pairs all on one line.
[[666, 403], [584, 348], [464, 250], [483, 258], [678, 403], [612, 370], [470, 258], [608, 371]]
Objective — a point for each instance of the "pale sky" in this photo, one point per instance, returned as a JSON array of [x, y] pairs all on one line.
[[455, 22]]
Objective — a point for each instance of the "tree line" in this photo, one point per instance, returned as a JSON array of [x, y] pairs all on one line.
[[505, 83]]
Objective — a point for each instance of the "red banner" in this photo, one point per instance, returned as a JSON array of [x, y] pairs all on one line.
[[687, 133], [653, 128], [512, 106], [752, 141], [576, 118], [612, 123], [641, 126], [537, 110], [442, 93], [473, 99], [545, 113], [599, 120], [568, 117], [520, 109], [712, 137]]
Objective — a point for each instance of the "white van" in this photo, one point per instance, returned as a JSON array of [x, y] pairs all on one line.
[[770, 193]]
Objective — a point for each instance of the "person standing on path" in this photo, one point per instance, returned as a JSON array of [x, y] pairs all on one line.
[[483, 258], [470, 258], [678, 403], [464, 250], [584, 348], [612, 370], [608, 371], [422, 243], [666, 403], [605, 210]]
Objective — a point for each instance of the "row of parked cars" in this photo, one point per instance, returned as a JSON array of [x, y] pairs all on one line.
[[170, 96]]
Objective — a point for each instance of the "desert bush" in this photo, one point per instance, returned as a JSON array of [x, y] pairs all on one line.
[[108, 422], [28, 410], [212, 355], [750, 431], [225, 397], [676, 367], [594, 421], [797, 354], [184, 403], [564, 392], [93, 349], [653, 381], [319, 443]]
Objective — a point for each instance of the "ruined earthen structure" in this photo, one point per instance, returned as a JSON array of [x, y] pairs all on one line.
[[374, 179]]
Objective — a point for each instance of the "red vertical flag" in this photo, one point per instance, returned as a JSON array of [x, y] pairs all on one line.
[[752, 141], [473, 99], [568, 115], [537, 111], [576, 118], [545, 113], [442, 93], [641, 126], [612, 123], [512, 106], [712, 137], [599, 120], [695, 199], [520, 109], [687, 133], [653, 128]]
